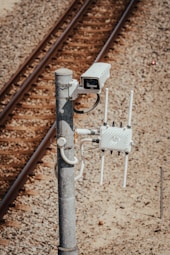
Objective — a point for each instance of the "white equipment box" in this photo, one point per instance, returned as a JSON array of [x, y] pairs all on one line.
[[115, 138]]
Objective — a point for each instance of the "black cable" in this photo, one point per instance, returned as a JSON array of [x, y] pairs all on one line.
[[89, 110]]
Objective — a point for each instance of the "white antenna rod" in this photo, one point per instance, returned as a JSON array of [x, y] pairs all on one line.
[[125, 170], [105, 122], [102, 168], [130, 109], [106, 106]]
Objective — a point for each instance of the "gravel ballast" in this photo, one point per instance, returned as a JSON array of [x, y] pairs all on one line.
[[110, 220]]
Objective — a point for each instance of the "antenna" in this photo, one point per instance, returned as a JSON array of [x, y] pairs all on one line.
[[110, 138], [102, 168], [116, 138], [106, 106], [130, 109], [105, 124], [125, 170], [129, 126]]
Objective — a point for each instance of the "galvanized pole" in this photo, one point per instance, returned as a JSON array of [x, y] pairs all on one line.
[[66, 190]]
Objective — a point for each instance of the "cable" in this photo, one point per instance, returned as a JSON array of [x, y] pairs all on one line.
[[84, 140], [89, 110]]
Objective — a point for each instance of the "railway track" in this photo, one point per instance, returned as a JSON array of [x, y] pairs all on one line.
[[28, 99]]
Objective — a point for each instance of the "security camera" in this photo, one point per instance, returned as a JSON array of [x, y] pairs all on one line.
[[92, 81]]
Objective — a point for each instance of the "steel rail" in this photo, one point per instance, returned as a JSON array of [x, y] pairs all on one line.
[[34, 75], [115, 31], [22, 177], [35, 52], [29, 167]]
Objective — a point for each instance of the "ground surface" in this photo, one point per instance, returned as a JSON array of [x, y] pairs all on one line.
[[112, 220], [7, 6]]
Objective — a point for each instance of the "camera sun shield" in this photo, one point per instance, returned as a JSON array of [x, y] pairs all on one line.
[[94, 78]]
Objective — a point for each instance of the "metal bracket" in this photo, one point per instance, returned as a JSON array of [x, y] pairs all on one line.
[[64, 86], [61, 142]]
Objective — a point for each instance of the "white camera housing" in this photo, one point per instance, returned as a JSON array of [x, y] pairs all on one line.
[[92, 81]]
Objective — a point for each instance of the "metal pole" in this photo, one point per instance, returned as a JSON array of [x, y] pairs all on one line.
[[66, 191]]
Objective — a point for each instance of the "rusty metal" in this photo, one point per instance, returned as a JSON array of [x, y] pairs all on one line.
[[22, 177], [34, 54], [115, 31], [37, 71]]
